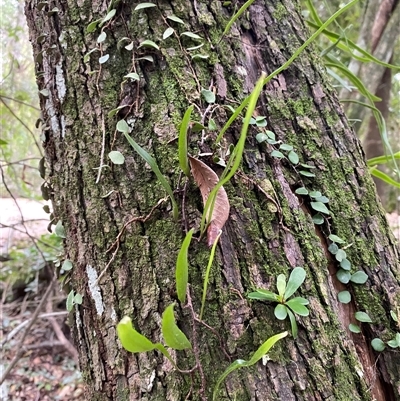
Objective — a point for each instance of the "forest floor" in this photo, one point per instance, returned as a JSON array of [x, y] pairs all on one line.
[[47, 369]]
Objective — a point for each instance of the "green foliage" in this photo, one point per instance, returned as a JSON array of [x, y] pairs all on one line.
[[285, 289], [241, 10], [236, 155], [73, 299], [26, 260], [240, 363], [173, 336], [122, 126], [135, 342], [206, 278], [182, 142], [352, 50], [182, 267]]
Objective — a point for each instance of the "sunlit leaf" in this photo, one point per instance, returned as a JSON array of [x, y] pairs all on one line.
[[130, 339], [168, 32], [109, 15], [104, 58], [173, 335], [102, 37]]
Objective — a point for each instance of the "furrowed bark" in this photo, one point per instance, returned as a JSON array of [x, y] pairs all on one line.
[[270, 230]]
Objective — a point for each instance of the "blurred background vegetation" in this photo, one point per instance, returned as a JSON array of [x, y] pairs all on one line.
[[372, 25]]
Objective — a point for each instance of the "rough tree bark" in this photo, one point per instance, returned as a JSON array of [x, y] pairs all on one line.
[[270, 230]]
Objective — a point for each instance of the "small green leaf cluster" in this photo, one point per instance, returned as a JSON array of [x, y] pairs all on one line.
[[379, 345], [286, 307], [73, 299], [128, 43], [134, 342]]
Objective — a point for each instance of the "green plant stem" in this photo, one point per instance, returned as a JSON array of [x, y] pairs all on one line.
[[210, 261]]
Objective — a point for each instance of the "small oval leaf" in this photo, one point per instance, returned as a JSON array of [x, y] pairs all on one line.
[[59, 229], [345, 264], [359, 277], [209, 96], [286, 147], [102, 37], [343, 276], [340, 255], [276, 153], [378, 344], [293, 157], [122, 126], [320, 207], [363, 317], [280, 312], [116, 157], [354, 328], [336, 239], [104, 58], [168, 32], [318, 219], [344, 297], [67, 265]]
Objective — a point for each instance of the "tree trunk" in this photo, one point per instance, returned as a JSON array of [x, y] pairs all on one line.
[[270, 228]]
